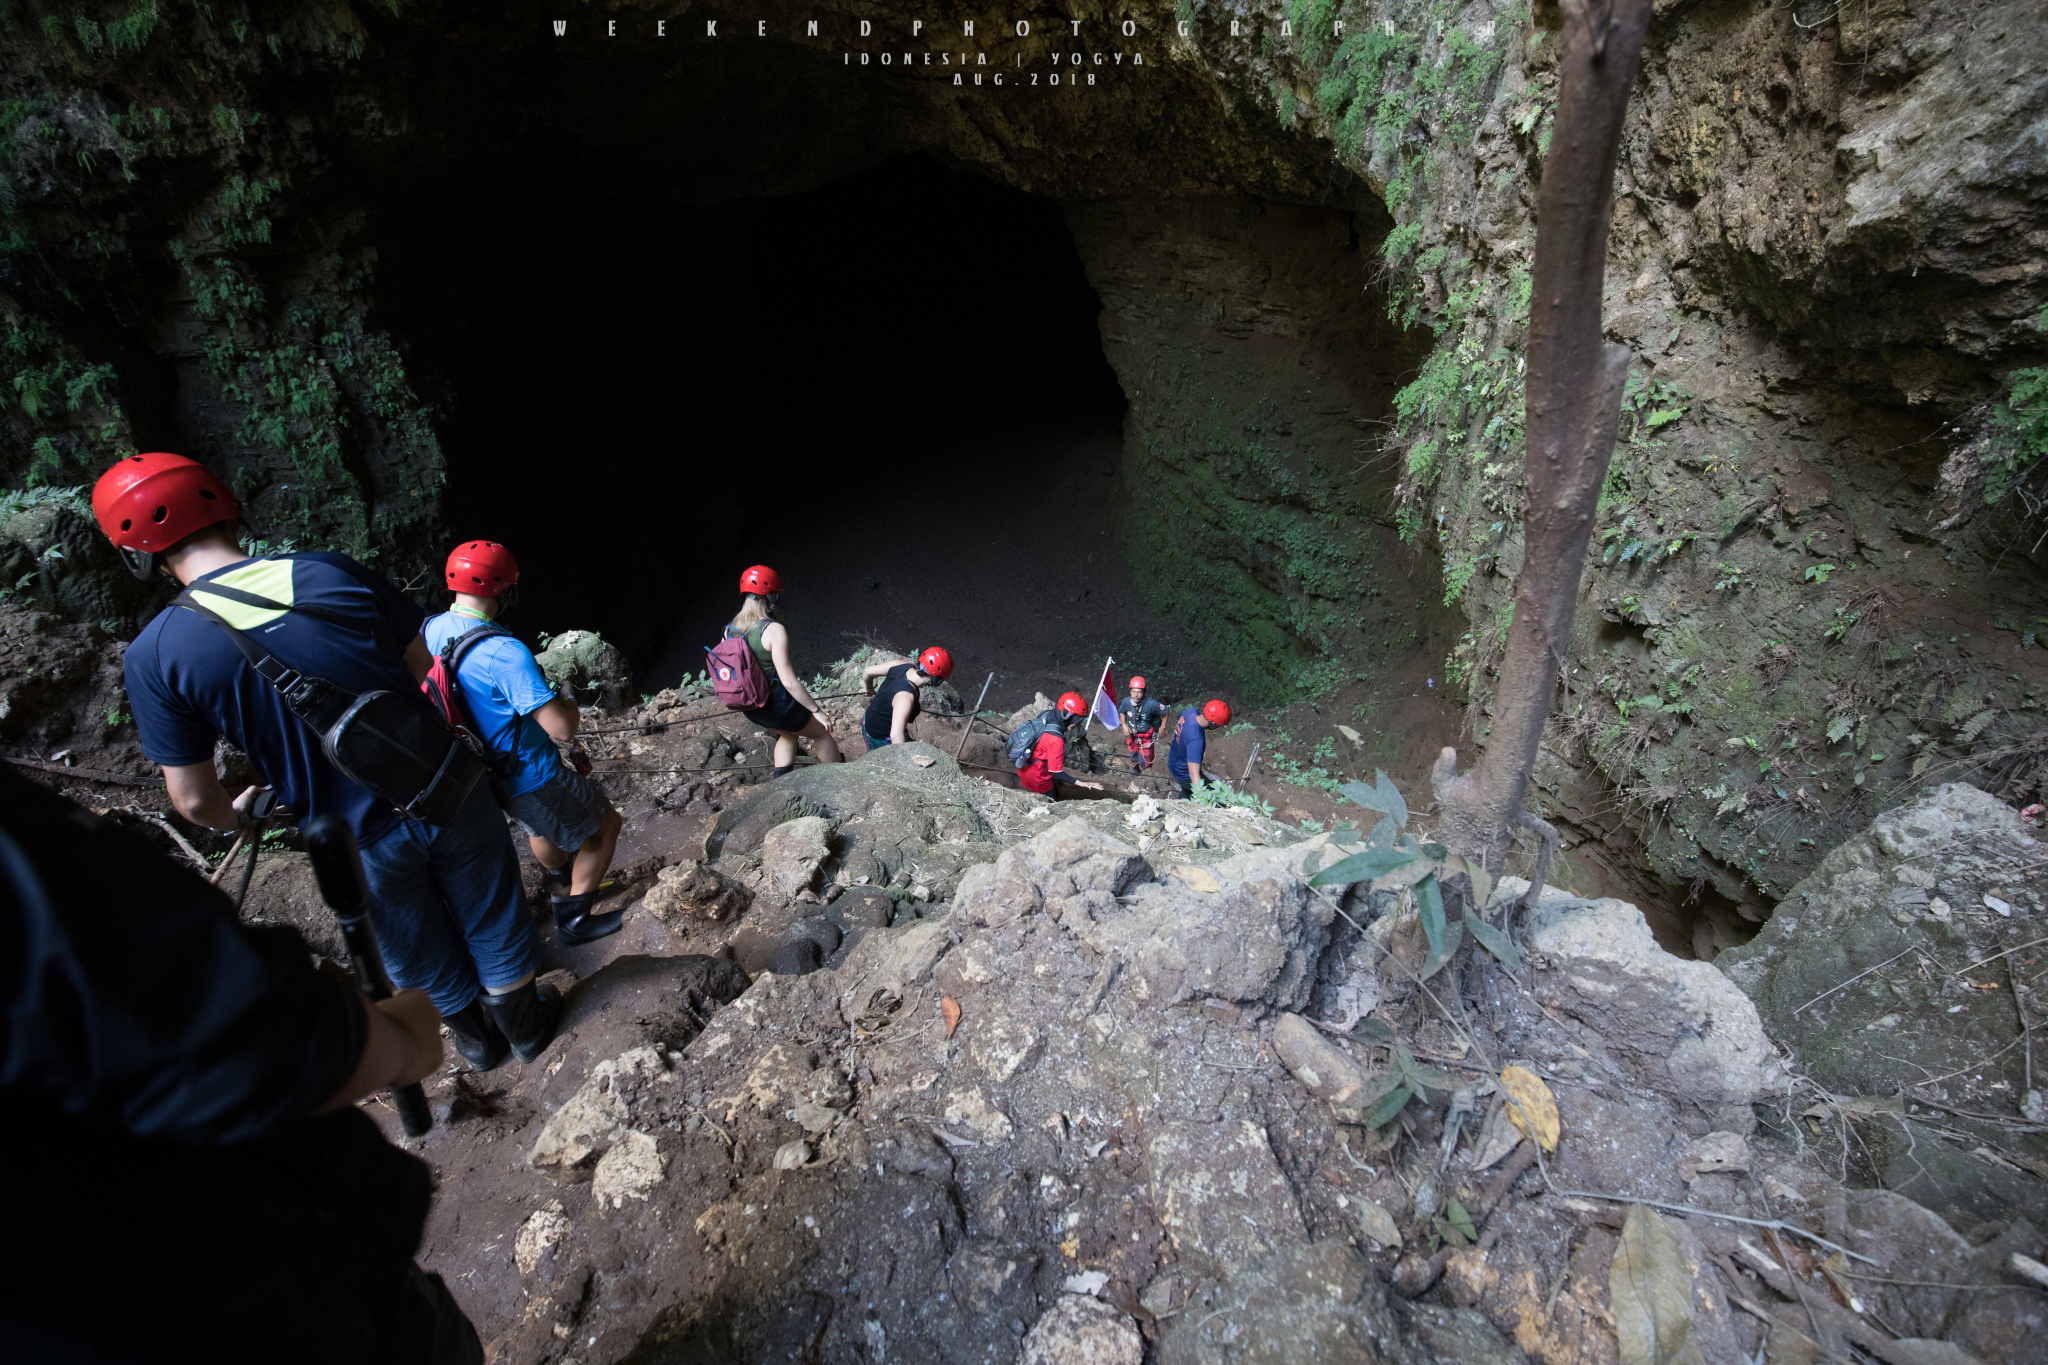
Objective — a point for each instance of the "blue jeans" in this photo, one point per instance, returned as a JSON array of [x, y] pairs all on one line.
[[447, 904]]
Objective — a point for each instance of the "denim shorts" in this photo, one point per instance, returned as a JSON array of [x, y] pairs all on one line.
[[565, 810], [447, 905]]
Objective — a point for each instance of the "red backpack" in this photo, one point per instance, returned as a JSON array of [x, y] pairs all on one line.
[[443, 686], [736, 675]]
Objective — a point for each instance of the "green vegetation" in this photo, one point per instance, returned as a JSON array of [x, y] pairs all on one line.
[[2019, 433], [1215, 792]]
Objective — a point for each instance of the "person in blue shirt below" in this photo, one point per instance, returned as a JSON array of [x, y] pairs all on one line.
[[445, 900], [1141, 724], [571, 826], [1190, 740]]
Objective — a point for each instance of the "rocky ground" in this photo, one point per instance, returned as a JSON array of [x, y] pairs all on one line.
[[892, 1062]]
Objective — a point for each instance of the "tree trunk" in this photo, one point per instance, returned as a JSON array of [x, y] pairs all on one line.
[[1574, 385]]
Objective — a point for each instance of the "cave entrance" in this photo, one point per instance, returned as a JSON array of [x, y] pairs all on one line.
[[890, 388]]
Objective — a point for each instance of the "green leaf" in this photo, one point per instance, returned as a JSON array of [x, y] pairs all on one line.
[[1461, 1220], [1389, 1107], [1344, 833], [1404, 1063], [1436, 853], [1663, 416], [1373, 1031], [1454, 937], [1839, 726], [1362, 867], [1494, 941], [1387, 797], [1430, 900]]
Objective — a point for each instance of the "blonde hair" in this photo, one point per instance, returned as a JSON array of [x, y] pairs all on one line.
[[753, 611]]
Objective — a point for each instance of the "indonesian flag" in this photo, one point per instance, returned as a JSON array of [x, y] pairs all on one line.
[[1105, 700]]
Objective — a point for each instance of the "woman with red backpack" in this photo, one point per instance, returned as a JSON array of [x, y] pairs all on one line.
[[789, 712]]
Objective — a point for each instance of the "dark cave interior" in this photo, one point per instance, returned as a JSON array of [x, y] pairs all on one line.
[[862, 384]]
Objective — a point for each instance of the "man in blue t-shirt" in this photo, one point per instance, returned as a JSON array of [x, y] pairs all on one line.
[[1191, 741], [445, 900], [511, 707]]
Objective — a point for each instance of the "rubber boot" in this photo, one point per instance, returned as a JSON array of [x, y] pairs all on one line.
[[528, 1017], [559, 877], [575, 924], [476, 1038]]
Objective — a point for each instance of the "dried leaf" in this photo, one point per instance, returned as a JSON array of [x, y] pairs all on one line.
[[1375, 1222], [1714, 1152], [1497, 1138], [1350, 734], [1198, 878], [950, 1009], [1531, 1105], [1649, 1291], [1927, 1351], [924, 760]]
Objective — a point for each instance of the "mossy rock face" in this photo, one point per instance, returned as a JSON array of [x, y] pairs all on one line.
[[65, 566]]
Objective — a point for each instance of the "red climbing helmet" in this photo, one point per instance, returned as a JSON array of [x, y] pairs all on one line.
[[1071, 703], [761, 581], [148, 503], [1138, 683], [1216, 712], [481, 568], [936, 664]]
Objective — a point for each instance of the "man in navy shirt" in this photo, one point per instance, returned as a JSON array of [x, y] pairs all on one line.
[[183, 1087], [446, 901], [570, 824], [1191, 741]]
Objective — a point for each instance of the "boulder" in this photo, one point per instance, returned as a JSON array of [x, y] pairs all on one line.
[[1310, 1304], [1915, 880], [792, 853], [1221, 1194], [1080, 1330], [695, 891], [582, 659], [1253, 939], [1682, 1027]]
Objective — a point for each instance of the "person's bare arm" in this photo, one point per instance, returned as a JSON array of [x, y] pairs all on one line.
[[403, 1046], [418, 658], [877, 670], [197, 794], [561, 718], [1195, 778], [777, 640], [899, 717]]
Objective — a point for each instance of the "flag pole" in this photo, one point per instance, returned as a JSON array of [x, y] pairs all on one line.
[[1100, 679]]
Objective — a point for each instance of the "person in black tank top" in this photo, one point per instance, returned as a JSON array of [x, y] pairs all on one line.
[[896, 701]]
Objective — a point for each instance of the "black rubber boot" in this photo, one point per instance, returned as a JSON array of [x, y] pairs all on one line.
[[528, 1017], [476, 1038], [575, 924]]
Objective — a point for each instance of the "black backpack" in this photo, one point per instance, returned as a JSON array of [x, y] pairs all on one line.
[[1025, 737], [391, 743]]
